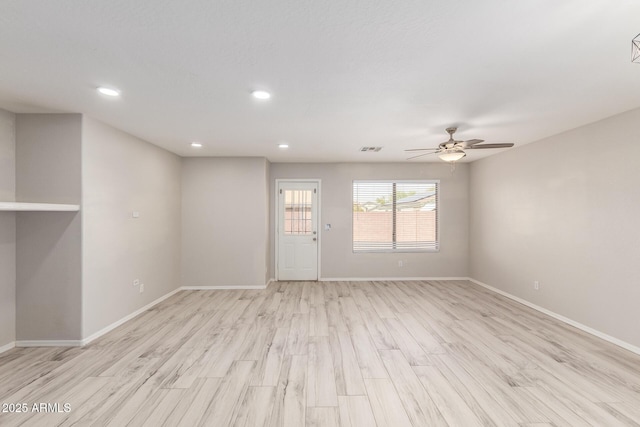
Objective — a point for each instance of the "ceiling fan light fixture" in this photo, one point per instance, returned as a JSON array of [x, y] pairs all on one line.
[[452, 155]]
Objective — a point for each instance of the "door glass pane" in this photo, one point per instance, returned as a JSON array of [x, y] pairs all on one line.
[[297, 212]]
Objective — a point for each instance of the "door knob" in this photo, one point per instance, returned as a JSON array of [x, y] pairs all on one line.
[[314, 239]]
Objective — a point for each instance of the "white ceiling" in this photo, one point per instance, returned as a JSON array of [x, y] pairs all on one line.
[[344, 74]]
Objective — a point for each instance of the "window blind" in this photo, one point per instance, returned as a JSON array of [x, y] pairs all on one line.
[[397, 216]]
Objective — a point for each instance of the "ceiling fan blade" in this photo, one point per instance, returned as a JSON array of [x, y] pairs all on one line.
[[505, 145], [422, 149], [420, 155], [471, 142]]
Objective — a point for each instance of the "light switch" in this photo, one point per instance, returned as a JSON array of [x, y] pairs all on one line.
[[327, 227], [136, 214]]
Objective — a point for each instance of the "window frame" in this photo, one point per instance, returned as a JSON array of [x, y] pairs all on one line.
[[436, 246]]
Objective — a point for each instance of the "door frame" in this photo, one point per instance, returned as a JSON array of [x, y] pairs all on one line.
[[318, 182]]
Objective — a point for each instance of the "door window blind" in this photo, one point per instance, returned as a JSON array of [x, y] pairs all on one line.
[[395, 216]]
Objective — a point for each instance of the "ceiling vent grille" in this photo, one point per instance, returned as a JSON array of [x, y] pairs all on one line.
[[371, 149]]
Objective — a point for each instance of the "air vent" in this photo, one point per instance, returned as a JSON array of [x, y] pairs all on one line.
[[371, 149]]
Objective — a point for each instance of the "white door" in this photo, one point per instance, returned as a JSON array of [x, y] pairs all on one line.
[[297, 230]]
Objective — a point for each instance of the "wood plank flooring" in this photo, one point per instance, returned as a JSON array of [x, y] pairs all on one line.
[[344, 354]]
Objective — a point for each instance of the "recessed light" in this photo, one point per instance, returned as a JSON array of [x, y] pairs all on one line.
[[261, 94], [108, 91], [283, 145], [196, 145]]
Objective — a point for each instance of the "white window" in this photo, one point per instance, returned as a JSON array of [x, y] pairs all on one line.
[[395, 216], [297, 212]]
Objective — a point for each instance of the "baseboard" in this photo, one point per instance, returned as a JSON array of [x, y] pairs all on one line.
[[222, 288], [385, 279], [227, 287], [585, 328], [128, 317], [7, 347], [49, 343]]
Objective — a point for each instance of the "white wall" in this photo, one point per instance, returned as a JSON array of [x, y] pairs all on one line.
[[564, 211], [7, 229], [48, 252], [224, 221], [337, 257], [122, 174]]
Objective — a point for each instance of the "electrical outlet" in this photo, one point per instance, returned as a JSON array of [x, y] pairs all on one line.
[[536, 285], [141, 287], [136, 282]]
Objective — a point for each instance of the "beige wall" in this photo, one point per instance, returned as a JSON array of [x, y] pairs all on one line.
[[122, 174], [564, 211], [48, 158], [337, 258], [48, 251], [224, 221], [7, 156], [269, 271], [48, 272], [7, 229]]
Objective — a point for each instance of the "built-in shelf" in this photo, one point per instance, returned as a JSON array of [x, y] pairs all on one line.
[[37, 207]]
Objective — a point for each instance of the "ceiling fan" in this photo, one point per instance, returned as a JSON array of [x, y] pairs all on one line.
[[452, 150]]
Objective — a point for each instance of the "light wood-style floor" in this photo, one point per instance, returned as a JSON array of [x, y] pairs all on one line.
[[331, 354]]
